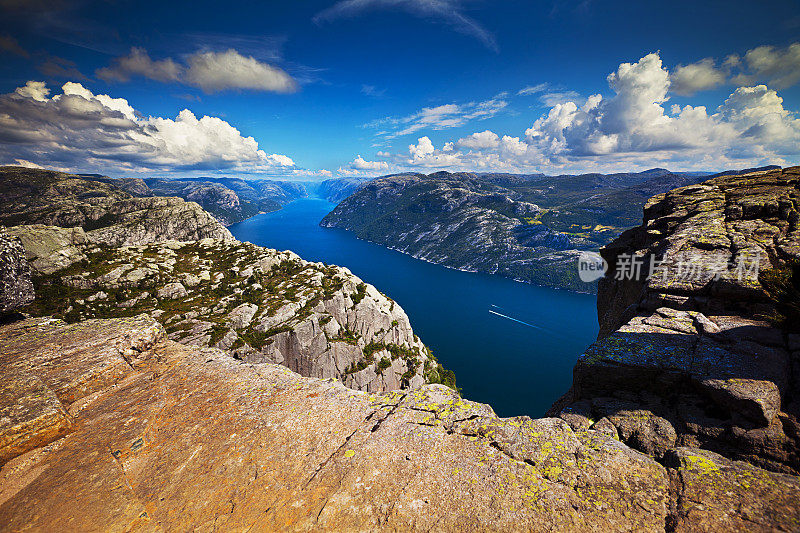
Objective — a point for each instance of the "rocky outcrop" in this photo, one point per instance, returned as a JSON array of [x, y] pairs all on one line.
[[131, 431], [259, 305], [693, 355], [50, 248], [16, 287], [108, 214]]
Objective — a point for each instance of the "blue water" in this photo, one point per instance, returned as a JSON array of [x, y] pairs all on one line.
[[511, 345]]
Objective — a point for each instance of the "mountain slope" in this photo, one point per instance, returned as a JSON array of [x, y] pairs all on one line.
[[530, 228], [108, 213]]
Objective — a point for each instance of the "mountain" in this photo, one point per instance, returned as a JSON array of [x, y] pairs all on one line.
[[337, 189], [231, 200], [97, 252], [527, 227], [683, 416], [109, 214]]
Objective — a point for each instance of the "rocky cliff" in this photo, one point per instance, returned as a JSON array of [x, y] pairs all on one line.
[[527, 227], [684, 418], [109, 214], [259, 305], [107, 425], [705, 352]]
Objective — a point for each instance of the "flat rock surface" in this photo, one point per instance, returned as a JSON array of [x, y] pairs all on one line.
[[182, 438]]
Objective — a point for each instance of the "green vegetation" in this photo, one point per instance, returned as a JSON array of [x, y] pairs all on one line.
[[361, 292]]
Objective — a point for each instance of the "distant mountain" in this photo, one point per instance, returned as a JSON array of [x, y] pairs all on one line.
[[101, 206], [231, 200], [528, 227], [337, 189]]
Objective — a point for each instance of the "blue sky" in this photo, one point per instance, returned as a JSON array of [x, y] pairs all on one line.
[[367, 87]]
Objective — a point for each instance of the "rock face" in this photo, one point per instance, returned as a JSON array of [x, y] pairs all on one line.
[[119, 436], [16, 287], [130, 431], [692, 355], [260, 305], [527, 227], [108, 214]]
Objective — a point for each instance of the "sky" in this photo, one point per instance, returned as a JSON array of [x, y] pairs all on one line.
[[319, 89]]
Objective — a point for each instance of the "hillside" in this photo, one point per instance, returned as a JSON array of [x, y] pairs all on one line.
[[337, 189], [683, 416], [109, 214], [231, 200], [527, 227]]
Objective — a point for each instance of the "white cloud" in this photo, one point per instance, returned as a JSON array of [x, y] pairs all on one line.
[[634, 121], [484, 139], [80, 130], [634, 128], [554, 98], [440, 117], [701, 76], [779, 67], [138, 63], [447, 11], [217, 71], [360, 164], [533, 89], [210, 71], [35, 90]]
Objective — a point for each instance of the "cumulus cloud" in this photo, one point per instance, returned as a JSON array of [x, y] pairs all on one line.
[[209, 71], [440, 117], [779, 67], [635, 127], [701, 76], [78, 129], [448, 11], [634, 120], [360, 164], [484, 139]]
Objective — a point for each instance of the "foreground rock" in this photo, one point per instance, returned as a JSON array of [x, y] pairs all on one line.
[[16, 288], [108, 214], [133, 432], [259, 305], [699, 360]]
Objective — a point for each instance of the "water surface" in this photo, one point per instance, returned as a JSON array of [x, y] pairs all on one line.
[[511, 345]]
